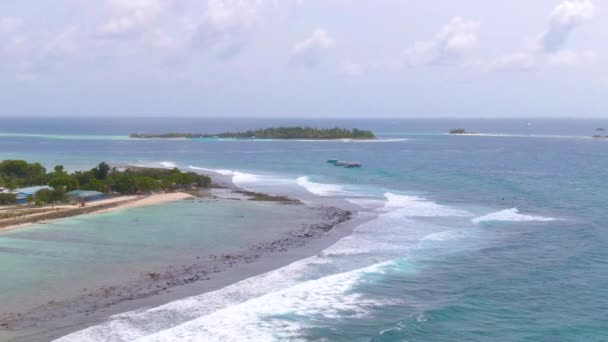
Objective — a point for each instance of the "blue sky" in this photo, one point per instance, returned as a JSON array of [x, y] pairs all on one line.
[[304, 58]]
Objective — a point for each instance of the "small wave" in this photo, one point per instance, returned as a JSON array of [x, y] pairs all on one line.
[[323, 189], [446, 235], [512, 215], [257, 182], [168, 164], [247, 178], [161, 164], [367, 203], [414, 206], [222, 172]]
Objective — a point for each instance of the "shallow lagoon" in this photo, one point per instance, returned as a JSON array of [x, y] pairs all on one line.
[[59, 259]]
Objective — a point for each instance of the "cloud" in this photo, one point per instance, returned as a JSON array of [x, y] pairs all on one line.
[[227, 25], [573, 58], [44, 57], [549, 45], [309, 52], [10, 24], [564, 19], [160, 39], [129, 16], [516, 62], [351, 68], [448, 46]]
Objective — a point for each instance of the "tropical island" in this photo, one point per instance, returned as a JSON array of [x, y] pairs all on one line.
[[28, 193], [283, 133]]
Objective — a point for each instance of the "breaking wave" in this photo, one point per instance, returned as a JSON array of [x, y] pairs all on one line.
[[512, 215]]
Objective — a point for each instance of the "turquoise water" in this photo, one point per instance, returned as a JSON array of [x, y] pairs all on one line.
[[500, 237], [57, 260]]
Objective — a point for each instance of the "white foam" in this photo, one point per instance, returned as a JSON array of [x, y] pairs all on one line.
[[258, 319], [168, 164], [324, 190], [222, 172], [261, 182], [506, 135], [414, 206], [446, 235], [510, 215], [236, 312], [367, 203], [162, 164]]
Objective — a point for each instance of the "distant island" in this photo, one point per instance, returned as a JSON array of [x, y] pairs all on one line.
[[460, 131], [600, 136], [307, 133]]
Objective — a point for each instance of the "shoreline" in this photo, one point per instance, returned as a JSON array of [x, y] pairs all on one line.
[[107, 205], [177, 282]]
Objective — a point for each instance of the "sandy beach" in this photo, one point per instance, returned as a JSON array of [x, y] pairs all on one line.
[[110, 204]]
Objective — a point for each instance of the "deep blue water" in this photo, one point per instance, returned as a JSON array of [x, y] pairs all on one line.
[[499, 237]]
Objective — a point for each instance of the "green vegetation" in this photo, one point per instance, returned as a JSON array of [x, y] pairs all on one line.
[[18, 173], [55, 195], [8, 199], [273, 133]]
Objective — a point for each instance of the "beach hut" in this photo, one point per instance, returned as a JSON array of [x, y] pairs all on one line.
[[86, 196], [24, 193]]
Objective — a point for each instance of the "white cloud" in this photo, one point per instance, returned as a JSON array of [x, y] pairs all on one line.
[[162, 40], [564, 19], [46, 53], [128, 16], [548, 47], [516, 62], [573, 58], [351, 68], [310, 51], [448, 46], [10, 24], [227, 24]]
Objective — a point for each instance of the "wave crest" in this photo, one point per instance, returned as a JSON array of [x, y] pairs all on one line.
[[511, 215]]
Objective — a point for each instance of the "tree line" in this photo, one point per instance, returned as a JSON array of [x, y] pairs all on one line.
[[103, 178], [273, 133]]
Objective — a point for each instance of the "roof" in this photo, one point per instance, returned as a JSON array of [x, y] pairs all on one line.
[[85, 193], [31, 190]]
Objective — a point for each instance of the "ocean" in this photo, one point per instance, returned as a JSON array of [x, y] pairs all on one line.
[[499, 236]]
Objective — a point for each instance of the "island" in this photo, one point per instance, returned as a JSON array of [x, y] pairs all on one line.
[[280, 133], [29, 194], [460, 131]]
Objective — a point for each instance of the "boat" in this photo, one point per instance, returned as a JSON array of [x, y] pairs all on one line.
[[344, 163], [351, 165]]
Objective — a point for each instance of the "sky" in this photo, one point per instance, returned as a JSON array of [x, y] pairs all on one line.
[[304, 58]]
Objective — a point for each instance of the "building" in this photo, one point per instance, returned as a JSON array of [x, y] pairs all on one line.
[[24, 193], [86, 196]]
